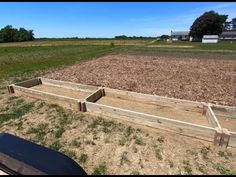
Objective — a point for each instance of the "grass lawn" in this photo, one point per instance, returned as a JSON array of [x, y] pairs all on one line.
[[24, 62], [222, 45]]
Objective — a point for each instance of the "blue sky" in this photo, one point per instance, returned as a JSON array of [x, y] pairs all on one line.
[[103, 19]]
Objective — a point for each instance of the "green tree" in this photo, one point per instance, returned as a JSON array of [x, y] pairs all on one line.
[[210, 23], [10, 34], [234, 23]]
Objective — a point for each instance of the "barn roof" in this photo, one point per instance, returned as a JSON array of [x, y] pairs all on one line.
[[184, 33], [229, 33], [210, 36]]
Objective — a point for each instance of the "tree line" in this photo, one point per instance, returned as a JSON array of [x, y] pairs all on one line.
[[10, 34]]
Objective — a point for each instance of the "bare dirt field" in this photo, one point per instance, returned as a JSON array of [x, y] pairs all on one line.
[[108, 146], [208, 80]]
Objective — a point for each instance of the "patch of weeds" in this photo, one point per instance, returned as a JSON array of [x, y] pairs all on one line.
[[158, 154], [89, 142], [122, 141], [56, 145], [204, 151], [160, 139], [224, 154], [192, 152], [83, 158], [107, 126], [187, 167], [59, 132], [76, 142], [94, 124], [16, 113], [79, 117], [20, 101], [124, 158], [139, 141], [107, 141], [100, 169], [135, 172], [41, 105], [147, 134], [40, 131], [201, 169], [69, 153], [128, 131], [19, 125], [221, 169], [63, 120], [12, 98], [171, 164]]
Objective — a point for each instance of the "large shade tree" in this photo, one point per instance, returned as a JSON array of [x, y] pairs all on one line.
[[209, 23], [10, 34]]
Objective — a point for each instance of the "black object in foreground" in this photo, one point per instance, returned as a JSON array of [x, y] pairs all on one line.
[[21, 157]]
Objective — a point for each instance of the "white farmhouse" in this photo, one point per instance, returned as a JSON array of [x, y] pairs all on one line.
[[210, 39]]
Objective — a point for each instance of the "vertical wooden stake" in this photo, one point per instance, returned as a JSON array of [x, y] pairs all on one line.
[[217, 137]]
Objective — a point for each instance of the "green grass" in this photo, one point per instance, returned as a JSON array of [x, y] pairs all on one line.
[[64, 119], [56, 145], [76, 143], [138, 140], [201, 53], [222, 45], [135, 172], [26, 62], [158, 154], [83, 158], [16, 113], [204, 151], [69, 153], [100, 170], [225, 154], [40, 131], [221, 169], [128, 131], [106, 126], [187, 167]]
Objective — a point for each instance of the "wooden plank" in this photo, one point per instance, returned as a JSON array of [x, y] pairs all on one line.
[[69, 85], [189, 129], [64, 101], [29, 83], [95, 96], [224, 111], [213, 121], [186, 104], [232, 139]]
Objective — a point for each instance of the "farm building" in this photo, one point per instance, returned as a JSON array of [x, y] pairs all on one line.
[[179, 35], [228, 35], [210, 39]]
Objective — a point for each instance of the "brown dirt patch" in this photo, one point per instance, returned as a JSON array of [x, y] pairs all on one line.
[[207, 80], [157, 109]]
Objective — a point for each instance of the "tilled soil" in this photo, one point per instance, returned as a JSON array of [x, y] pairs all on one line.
[[207, 80]]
